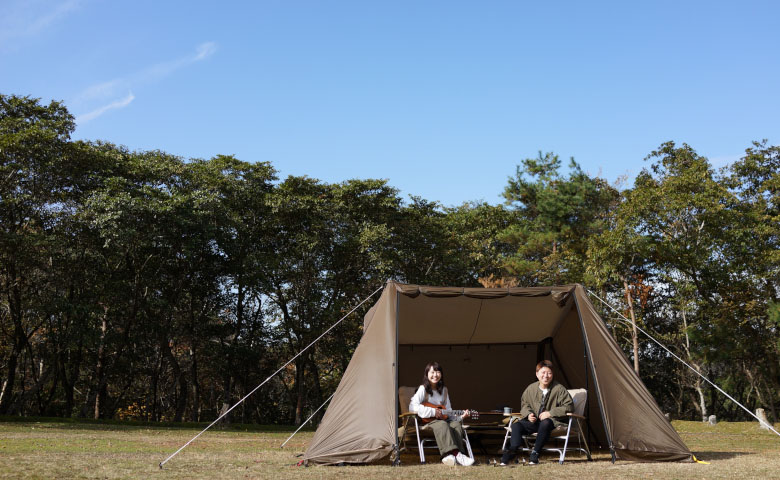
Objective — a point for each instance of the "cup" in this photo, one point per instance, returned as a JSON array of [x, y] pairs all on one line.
[[507, 410]]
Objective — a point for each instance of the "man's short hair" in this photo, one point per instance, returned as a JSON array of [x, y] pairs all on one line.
[[544, 363]]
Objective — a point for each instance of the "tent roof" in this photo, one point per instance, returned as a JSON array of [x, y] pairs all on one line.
[[474, 316]]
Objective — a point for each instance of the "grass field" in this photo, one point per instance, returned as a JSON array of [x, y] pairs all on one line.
[[58, 449]]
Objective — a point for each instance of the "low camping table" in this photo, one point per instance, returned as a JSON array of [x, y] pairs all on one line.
[[488, 425]]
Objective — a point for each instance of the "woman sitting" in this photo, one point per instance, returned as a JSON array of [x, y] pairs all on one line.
[[447, 428]]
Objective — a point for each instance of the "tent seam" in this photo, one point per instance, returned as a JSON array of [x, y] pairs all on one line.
[[476, 324]]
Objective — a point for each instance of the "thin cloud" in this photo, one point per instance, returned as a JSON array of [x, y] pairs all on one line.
[[104, 91], [101, 90], [161, 70], [122, 103], [205, 50], [28, 19]]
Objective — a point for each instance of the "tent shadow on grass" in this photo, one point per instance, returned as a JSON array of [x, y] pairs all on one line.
[[713, 456]]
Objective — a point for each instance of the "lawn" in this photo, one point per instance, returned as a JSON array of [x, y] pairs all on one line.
[[57, 449]]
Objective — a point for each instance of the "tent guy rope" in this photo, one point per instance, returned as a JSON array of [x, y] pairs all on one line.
[[307, 420], [270, 377], [685, 363]]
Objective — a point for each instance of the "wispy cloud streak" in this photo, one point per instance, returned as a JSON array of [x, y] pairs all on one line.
[[110, 91], [122, 103], [160, 70], [27, 19]]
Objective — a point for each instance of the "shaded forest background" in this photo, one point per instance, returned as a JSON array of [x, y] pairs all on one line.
[[140, 285]]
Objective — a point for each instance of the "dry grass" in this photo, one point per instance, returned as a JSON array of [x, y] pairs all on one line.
[[49, 449]]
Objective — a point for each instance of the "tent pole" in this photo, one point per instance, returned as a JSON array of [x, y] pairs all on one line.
[[595, 379], [396, 447], [591, 435]]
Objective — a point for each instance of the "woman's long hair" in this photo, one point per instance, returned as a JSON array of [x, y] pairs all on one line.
[[427, 384]]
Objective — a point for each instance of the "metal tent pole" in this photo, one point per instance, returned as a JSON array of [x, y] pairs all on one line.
[[397, 446]]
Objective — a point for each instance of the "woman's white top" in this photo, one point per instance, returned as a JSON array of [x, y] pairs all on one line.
[[443, 398]]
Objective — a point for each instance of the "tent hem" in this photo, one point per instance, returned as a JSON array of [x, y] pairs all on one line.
[[341, 457]]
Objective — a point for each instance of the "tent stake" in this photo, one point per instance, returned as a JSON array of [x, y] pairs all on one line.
[[686, 364], [270, 377]]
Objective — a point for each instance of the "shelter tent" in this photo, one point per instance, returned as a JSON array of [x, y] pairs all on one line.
[[488, 341]]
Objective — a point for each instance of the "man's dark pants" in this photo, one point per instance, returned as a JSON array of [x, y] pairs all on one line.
[[541, 428]]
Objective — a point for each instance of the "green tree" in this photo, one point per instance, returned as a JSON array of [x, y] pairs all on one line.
[[754, 251], [240, 225], [319, 269], [556, 217], [618, 259], [34, 146], [683, 211]]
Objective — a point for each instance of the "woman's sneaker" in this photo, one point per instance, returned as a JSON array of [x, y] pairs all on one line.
[[464, 460], [449, 460]]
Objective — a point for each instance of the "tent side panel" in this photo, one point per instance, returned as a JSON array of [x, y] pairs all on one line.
[[638, 428], [359, 424], [652, 456], [573, 371]]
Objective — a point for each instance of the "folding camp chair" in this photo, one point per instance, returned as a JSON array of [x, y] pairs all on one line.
[[580, 397], [422, 432]]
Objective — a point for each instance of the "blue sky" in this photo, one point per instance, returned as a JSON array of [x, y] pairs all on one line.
[[442, 98]]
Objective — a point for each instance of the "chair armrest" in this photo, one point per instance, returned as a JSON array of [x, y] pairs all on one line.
[[575, 416], [407, 414], [511, 419]]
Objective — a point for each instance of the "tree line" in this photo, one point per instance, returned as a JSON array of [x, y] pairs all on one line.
[[140, 285]]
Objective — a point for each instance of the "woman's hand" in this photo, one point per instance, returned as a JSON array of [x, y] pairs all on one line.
[[466, 414], [439, 415]]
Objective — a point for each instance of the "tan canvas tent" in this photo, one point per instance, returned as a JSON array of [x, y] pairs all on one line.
[[488, 341]]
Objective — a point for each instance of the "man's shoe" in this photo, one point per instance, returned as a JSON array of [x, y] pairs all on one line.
[[464, 460], [533, 459], [508, 456], [449, 460]]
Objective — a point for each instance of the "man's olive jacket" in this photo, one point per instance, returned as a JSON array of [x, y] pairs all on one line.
[[558, 402]]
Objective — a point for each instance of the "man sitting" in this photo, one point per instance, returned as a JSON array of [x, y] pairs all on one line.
[[544, 406]]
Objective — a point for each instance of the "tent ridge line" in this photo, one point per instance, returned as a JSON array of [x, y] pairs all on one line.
[[477, 292]]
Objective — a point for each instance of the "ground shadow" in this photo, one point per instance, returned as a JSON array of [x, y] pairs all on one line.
[[712, 456]]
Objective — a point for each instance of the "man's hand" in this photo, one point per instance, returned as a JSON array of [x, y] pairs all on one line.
[[532, 417], [544, 415]]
